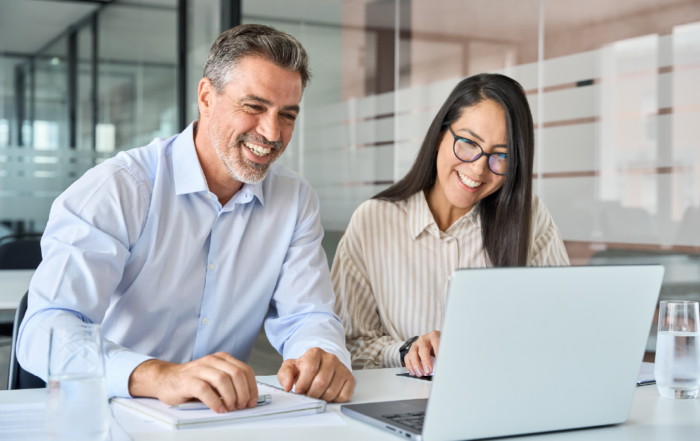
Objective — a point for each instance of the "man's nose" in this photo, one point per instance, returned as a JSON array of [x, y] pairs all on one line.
[[269, 128]]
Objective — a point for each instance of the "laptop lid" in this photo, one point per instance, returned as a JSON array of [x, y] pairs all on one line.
[[526, 350]]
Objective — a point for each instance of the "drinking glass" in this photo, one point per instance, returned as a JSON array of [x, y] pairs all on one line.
[[677, 364], [77, 408]]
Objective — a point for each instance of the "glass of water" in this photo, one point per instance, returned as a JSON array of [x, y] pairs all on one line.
[[77, 408], [677, 364]]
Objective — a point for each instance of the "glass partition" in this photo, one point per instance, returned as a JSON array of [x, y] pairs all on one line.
[[612, 86]]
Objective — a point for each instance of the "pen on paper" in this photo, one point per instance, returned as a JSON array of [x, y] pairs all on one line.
[[197, 405]]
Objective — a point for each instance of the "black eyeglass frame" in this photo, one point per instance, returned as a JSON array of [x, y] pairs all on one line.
[[483, 153]]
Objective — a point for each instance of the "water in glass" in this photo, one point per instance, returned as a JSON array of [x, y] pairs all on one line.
[[677, 363], [77, 408]]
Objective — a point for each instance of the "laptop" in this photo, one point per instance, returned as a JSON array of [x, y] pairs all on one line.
[[530, 350]]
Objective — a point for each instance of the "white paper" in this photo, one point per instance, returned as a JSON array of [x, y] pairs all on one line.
[[133, 423], [646, 373], [26, 422], [116, 431]]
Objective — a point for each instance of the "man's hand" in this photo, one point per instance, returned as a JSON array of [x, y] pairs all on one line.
[[417, 360], [219, 381], [318, 374]]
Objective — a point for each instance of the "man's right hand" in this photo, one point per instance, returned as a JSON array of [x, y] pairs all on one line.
[[205, 379]]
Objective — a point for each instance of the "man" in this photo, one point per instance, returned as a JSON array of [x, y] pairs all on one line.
[[182, 248]]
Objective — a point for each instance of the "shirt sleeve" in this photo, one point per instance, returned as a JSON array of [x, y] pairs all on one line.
[[301, 314], [547, 248], [369, 345], [85, 246]]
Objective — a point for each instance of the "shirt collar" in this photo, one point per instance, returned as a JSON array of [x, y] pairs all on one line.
[[257, 189], [420, 217], [187, 170]]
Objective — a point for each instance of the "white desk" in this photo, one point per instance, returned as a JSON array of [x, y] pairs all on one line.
[[13, 285], [652, 417]]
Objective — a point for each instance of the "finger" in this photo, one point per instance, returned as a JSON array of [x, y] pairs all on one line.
[[341, 376], [435, 342], [424, 353], [241, 382], [347, 390], [413, 357], [308, 366], [287, 374], [409, 364], [323, 378], [203, 391], [242, 379], [334, 388], [221, 382]]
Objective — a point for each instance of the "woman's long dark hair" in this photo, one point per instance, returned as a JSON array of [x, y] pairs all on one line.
[[505, 214]]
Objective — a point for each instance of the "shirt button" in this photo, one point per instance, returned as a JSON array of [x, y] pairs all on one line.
[[205, 321], [211, 196], [212, 267]]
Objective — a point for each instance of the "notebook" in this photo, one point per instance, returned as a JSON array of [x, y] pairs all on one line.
[[284, 404]]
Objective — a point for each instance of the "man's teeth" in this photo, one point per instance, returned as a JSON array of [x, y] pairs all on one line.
[[257, 150], [468, 182]]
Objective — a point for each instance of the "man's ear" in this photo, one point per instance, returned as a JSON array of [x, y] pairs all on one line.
[[206, 95]]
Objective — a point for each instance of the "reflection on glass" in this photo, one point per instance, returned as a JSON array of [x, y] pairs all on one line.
[[50, 111], [137, 75]]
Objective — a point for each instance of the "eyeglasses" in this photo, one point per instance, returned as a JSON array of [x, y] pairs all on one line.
[[468, 151]]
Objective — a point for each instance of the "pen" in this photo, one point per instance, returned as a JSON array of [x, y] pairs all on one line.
[[198, 405]]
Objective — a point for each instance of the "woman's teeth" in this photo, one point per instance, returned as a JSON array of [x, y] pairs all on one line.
[[468, 182], [257, 150]]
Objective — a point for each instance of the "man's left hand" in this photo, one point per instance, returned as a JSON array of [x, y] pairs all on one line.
[[318, 374]]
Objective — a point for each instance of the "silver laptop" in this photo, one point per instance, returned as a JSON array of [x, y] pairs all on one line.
[[528, 350]]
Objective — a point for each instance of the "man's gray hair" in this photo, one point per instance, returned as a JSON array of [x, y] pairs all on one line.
[[263, 41]]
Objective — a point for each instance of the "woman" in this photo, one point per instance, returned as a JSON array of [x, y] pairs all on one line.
[[467, 202]]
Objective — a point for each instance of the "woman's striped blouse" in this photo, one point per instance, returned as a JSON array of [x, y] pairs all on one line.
[[392, 270]]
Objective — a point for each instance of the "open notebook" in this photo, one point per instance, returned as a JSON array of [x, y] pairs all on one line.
[[284, 404]]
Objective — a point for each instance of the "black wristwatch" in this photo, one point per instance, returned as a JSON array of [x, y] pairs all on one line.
[[403, 350]]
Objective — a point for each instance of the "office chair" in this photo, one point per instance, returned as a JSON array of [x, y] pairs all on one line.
[[19, 378], [20, 251]]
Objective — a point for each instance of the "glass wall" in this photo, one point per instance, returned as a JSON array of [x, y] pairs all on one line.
[[612, 86], [98, 80], [137, 74]]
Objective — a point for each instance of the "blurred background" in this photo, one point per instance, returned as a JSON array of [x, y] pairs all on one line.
[[614, 88]]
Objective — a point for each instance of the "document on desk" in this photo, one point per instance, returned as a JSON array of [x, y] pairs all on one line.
[[27, 422], [646, 374], [284, 404], [23, 421], [138, 423]]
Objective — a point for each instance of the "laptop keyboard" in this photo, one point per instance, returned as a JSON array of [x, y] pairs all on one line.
[[413, 420]]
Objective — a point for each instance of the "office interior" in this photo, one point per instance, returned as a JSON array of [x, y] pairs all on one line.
[[613, 88]]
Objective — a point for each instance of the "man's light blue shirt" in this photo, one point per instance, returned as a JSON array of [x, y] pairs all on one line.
[[140, 245]]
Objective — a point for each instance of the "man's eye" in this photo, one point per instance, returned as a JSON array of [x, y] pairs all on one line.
[[290, 116], [254, 107]]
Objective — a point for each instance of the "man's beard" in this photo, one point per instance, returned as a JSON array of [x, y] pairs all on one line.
[[231, 155]]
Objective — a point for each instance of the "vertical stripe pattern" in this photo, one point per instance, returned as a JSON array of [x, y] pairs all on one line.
[[392, 270]]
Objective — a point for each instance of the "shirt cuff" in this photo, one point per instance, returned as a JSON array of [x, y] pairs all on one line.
[[118, 371], [391, 355], [298, 350]]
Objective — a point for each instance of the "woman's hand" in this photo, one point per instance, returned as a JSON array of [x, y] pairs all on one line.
[[418, 360]]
